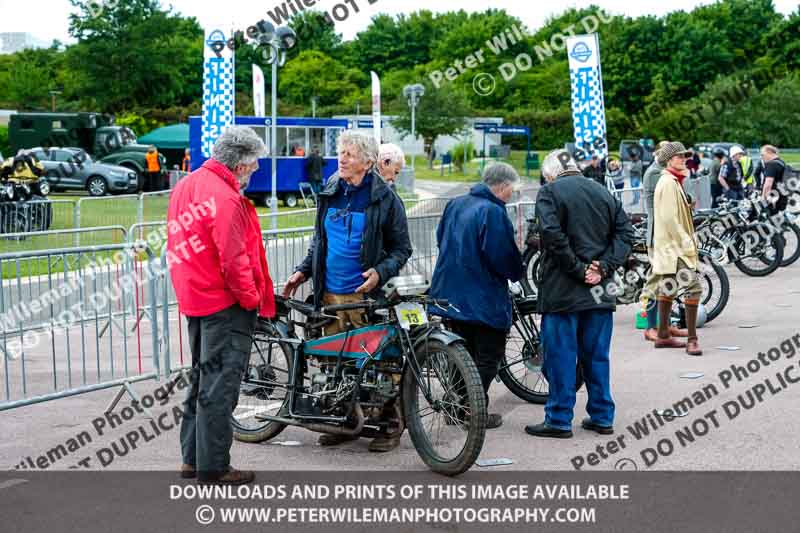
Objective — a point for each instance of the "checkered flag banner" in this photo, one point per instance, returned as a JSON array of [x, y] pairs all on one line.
[[218, 88], [588, 107]]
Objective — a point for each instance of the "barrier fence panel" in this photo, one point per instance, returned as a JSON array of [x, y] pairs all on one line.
[[47, 240], [36, 215], [123, 210], [299, 218], [632, 199], [700, 190], [286, 249], [422, 231], [154, 206], [68, 331]]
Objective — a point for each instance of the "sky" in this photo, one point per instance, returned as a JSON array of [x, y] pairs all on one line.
[[51, 20]]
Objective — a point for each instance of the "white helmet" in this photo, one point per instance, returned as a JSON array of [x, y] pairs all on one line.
[[735, 150]]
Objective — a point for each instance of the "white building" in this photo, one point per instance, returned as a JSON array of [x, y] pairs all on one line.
[[415, 146], [11, 42]]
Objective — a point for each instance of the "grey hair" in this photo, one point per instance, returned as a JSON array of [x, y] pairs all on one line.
[[496, 174], [363, 143], [238, 145], [392, 152], [771, 149], [557, 163]]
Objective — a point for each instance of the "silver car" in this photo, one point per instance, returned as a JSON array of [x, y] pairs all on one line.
[[73, 169]]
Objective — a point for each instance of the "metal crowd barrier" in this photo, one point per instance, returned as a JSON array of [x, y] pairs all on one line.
[[68, 330]]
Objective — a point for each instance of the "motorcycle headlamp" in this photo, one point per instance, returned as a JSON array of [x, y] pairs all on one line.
[[44, 188]]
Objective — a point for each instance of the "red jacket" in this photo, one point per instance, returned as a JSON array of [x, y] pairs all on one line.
[[214, 249]]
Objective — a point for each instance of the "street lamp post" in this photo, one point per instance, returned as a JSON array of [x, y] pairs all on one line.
[[314, 100], [277, 41], [413, 93], [53, 95]]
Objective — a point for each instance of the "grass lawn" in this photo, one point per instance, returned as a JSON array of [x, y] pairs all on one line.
[[516, 159]]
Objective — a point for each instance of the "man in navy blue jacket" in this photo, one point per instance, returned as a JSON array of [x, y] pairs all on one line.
[[477, 258]]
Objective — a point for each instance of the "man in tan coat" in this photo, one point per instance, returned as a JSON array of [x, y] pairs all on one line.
[[674, 257]]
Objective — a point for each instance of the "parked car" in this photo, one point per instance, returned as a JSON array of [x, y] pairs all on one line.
[[73, 169], [709, 147]]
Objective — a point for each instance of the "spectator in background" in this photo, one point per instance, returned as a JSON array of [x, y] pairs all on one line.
[[731, 177], [615, 175], [747, 171], [636, 171], [314, 165], [186, 163], [693, 165], [594, 171], [391, 160], [774, 173], [477, 258], [713, 174], [222, 283], [153, 179], [758, 175], [586, 235]]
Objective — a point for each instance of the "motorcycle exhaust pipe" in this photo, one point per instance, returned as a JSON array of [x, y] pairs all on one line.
[[337, 430]]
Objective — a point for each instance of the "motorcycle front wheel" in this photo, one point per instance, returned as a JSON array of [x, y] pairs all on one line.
[[449, 427]]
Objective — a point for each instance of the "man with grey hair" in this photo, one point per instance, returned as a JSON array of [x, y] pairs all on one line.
[[361, 240], [586, 236], [477, 258], [219, 271], [390, 162]]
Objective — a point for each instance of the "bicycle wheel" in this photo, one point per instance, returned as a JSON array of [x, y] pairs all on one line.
[[761, 257], [448, 431], [531, 259], [791, 250], [264, 389], [521, 370], [716, 287]]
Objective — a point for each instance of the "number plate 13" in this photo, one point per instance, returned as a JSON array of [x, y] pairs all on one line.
[[411, 314]]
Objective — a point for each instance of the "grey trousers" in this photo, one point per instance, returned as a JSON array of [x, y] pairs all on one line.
[[220, 345]]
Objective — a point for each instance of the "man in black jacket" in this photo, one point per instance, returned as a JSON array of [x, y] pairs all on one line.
[[586, 235]]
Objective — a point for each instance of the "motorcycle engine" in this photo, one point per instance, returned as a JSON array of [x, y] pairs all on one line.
[[329, 396]]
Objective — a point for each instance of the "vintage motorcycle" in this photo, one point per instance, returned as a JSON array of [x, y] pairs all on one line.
[[24, 205], [404, 365]]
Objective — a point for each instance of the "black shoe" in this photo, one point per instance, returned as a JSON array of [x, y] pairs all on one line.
[[591, 426], [494, 421], [544, 430]]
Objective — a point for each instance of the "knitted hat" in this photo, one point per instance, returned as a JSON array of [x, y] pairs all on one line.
[[669, 151]]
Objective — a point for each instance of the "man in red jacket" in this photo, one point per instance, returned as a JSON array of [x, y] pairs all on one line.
[[219, 270]]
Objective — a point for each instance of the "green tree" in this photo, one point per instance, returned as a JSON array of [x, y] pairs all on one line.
[[135, 54], [314, 32], [442, 111], [313, 73]]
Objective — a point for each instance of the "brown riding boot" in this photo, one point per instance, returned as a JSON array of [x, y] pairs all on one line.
[[693, 346], [665, 340]]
